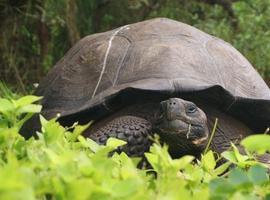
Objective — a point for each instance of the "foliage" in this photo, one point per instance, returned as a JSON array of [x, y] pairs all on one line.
[[253, 19], [36, 34], [61, 164]]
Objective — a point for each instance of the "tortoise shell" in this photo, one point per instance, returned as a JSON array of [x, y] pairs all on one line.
[[154, 56]]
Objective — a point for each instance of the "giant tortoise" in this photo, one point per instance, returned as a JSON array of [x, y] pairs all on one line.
[[157, 76]]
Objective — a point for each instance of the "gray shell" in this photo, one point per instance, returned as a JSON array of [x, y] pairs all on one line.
[[158, 55]]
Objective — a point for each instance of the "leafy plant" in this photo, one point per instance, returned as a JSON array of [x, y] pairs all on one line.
[[61, 164]]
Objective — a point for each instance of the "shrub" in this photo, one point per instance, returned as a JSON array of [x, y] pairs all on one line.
[[61, 164]]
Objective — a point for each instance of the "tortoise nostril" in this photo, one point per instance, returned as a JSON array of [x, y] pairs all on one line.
[[171, 104]]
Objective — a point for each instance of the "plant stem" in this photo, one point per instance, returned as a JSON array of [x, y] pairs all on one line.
[[211, 136]]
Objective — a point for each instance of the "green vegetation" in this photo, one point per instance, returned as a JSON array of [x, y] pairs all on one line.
[[36, 34], [61, 164]]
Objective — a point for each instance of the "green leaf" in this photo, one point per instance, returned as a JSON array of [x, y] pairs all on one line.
[[257, 143], [238, 195], [26, 100], [201, 194], [114, 143], [240, 158], [184, 161], [230, 156], [258, 175], [208, 161], [31, 108], [6, 105], [52, 131], [152, 159], [126, 188], [222, 168], [89, 143], [43, 121], [78, 130], [83, 141], [80, 189], [238, 177], [93, 145]]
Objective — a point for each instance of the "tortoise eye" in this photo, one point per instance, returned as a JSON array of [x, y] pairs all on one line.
[[191, 109]]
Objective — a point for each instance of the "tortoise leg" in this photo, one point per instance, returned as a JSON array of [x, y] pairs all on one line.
[[230, 130], [134, 130]]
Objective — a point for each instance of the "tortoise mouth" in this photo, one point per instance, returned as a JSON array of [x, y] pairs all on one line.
[[195, 133]]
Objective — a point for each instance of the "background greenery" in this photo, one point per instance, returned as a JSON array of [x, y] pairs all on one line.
[[35, 34]]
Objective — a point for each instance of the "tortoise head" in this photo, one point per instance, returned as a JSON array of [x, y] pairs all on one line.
[[182, 123]]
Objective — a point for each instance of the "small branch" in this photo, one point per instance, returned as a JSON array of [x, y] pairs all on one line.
[[43, 36], [13, 65], [17, 73], [71, 9]]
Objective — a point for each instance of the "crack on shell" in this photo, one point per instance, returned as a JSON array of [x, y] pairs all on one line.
[[106, 56]]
